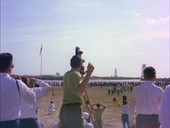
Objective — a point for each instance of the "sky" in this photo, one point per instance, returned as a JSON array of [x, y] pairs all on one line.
[[121, 34]]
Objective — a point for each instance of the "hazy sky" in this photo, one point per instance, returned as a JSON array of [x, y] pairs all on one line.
[[122, 34]]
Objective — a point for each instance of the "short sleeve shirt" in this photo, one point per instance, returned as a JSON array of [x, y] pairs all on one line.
[[72, 79]]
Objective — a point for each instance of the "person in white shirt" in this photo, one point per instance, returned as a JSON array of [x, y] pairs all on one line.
[[11, 93], [165, 109], [145, 102], [125, 114], [29, 113], [51, 108], [86, 117]]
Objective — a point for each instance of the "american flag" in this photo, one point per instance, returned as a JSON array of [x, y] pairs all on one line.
[[40, 50]]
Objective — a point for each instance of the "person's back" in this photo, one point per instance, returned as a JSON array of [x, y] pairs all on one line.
[[125, 114], [11, 91], [165, 109], [40, 88], [148, 98], [28, 112], [74, 86], [69, 91], [10, 98], [98, 111], [145, 102]]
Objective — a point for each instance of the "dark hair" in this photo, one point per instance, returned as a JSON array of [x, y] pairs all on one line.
[[26, 80], [75, 62], [149, 72], [98, 105], [5, 61]]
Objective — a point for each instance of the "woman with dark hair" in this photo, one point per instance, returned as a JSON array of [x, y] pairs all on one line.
[[125, 114], [29, 113]]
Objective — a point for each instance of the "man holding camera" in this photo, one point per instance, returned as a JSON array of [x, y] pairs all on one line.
[[74, 87], [11, 92]]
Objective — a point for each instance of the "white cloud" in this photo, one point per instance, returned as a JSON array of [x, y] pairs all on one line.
[[157, 21], [152, 21], [137, 14], [140, 17]]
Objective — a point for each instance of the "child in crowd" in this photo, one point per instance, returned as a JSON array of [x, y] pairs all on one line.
[[51, 108], [125, 114], [115, 104]]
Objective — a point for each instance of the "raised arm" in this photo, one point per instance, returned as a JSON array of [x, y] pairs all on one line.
[[82, 86], [26, 93], [42, 89], [103, 106]]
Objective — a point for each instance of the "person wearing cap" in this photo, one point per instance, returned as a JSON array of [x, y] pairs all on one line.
[[165, 109], [11, 92], [74, 86], [145, 102]]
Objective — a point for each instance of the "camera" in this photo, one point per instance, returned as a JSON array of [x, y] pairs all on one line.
[[78, 53]]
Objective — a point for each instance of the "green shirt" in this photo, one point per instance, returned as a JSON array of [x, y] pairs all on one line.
[[98, 113], [72, 79]]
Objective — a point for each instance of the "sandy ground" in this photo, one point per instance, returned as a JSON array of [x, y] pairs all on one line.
[[111, 116]]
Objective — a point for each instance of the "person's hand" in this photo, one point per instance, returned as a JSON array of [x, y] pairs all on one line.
[[32, 80], [17, 77], [90, 68]]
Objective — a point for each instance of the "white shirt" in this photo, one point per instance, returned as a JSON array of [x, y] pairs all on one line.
[[86, 115], [125, 109], [11, 97], [51, 107], [146, 99], [28, 111], [88, 125], [165, 109]]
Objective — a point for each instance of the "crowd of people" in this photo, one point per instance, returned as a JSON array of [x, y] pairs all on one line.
[[149, 106]]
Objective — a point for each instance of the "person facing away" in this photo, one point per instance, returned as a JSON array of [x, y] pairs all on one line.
[[115, 104], [124, 98], [11, 92], [74, 86], [98, 111], [145, 102], [51, 108], [165, 109], [125, 114], [29, 113]]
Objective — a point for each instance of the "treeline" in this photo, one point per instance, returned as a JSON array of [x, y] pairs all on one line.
[[54, 77]]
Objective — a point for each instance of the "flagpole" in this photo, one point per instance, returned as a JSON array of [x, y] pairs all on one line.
[[41, 60], [41, 65]]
